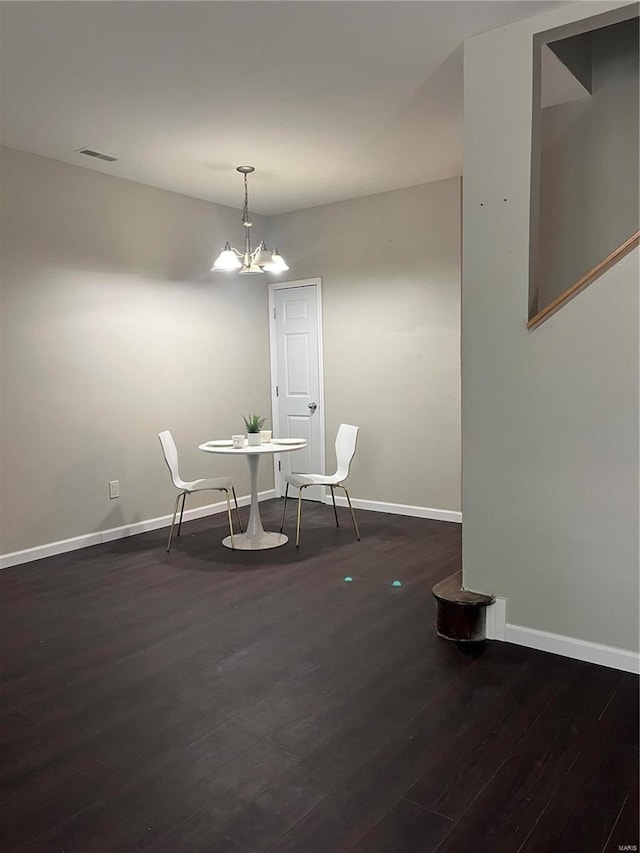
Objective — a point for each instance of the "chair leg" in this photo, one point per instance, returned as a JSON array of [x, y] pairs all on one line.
[[284, 507], [173, 522], [352, 515], [237, 510], [335, 511], [299, 515], [184, 497], [226, 491]]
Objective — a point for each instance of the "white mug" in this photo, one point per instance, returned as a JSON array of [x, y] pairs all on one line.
[[265, 436], [238, 441]]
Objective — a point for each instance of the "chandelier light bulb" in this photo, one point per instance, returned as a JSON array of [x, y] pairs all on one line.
[[277, 263], [263, 256], [227, 260]]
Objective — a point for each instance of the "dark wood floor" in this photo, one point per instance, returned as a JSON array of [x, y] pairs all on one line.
[[215, 701]]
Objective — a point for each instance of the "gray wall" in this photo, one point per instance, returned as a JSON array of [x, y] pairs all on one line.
[[589, 173], [390, 269], [113, 329], [550, 418]]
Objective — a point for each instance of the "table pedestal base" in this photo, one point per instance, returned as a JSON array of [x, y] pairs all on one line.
[[255, 541]]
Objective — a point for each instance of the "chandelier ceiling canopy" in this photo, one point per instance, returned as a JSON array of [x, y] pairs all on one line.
[[249, 261]]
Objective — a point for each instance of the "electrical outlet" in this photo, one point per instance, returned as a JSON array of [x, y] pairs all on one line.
[[114, 489]]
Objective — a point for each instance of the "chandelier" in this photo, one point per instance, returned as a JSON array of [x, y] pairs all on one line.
[[248, 262]]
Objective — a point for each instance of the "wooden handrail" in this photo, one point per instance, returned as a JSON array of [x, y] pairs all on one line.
[[570, 292]]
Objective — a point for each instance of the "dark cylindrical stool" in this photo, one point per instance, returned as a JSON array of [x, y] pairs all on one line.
[[460, 614]]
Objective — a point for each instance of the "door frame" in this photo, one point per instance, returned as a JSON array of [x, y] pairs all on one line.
[[285, 285]]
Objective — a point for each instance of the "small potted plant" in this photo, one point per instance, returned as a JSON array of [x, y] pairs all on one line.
[[254, 424]]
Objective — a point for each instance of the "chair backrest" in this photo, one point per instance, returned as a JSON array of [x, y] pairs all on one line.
[[170, 456], [345, 448]]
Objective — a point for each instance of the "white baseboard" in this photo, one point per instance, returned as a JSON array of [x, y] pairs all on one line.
[[496, 618], [65, 545], [497, 628], [571, 647], [399, 509]]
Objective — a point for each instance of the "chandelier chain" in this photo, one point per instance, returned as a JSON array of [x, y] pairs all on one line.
[[245, 210]]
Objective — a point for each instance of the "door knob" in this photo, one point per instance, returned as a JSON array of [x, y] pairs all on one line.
[[313, 407]]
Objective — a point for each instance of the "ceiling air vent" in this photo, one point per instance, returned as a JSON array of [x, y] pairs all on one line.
[[97, 155]]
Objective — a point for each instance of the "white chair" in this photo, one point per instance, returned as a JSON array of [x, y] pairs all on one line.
[[221, 484], [345, 450]]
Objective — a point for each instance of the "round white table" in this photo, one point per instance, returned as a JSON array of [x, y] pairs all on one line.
[[256, 538]]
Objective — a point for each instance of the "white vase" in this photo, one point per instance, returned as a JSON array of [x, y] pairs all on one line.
[[253, 439]]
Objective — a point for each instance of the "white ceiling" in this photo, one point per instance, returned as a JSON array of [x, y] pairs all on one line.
[[328, 100]]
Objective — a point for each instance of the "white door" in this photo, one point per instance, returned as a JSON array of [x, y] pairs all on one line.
[[296, 371]]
